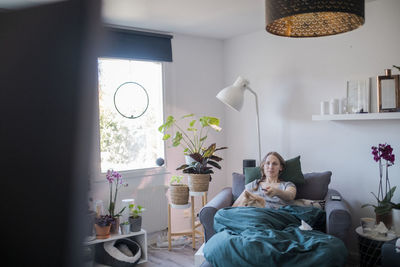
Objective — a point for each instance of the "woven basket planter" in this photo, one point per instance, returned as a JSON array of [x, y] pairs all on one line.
[[179, 194], [198, 182]]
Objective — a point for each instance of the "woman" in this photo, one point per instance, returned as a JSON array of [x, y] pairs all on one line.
[[276, 193]]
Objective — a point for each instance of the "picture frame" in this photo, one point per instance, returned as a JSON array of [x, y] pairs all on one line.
[[388, 92], [358, 96]]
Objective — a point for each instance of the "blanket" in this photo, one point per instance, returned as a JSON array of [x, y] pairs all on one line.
[[250, 236]]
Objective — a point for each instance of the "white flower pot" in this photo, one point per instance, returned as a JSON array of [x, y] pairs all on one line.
[[396, 221]]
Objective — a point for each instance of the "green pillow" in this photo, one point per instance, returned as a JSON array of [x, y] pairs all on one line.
[[251, 174], [291, 173]]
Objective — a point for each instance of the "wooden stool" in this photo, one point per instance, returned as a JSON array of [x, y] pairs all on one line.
[[195, 225]]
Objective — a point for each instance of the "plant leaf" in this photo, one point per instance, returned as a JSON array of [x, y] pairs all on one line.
[[192, 123], [166, 137]]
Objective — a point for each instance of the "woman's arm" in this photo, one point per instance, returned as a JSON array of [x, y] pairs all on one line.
[[288, 194]]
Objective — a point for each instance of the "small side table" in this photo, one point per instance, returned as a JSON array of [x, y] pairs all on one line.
[[195, 225], [370, 248]]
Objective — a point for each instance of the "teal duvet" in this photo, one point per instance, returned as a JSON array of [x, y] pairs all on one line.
[[249, 236]]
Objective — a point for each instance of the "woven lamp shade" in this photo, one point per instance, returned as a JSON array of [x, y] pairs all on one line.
[[313, 18]]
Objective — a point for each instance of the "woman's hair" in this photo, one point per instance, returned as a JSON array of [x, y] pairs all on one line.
[[264, 161]]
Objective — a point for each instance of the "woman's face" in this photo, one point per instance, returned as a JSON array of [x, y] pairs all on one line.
[[272, 166]]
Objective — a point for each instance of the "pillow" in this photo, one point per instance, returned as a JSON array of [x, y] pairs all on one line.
[[251, 174], [291, 173], [237, 184], [320, 204], [315, 186]]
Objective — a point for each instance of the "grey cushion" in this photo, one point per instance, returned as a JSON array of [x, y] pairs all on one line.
[[315, 186], [237, 184]]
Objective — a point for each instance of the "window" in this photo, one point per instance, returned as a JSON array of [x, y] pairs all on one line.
[[130, 144]]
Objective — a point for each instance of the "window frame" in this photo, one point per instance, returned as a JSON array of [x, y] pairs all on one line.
[[134, 173]]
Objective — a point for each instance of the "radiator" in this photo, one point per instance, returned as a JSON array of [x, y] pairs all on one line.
[[153, 198]]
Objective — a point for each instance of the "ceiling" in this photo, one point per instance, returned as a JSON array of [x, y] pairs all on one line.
[[219, 19]]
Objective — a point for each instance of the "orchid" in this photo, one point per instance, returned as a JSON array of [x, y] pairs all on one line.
[[114, 179], [380, 153]]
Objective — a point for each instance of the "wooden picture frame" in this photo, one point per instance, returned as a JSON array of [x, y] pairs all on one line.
[[388, 93]]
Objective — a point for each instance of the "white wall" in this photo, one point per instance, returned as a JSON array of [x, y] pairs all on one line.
[[291, 77], [191, 82]]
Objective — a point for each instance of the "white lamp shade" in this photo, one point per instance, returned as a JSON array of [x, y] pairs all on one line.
[[233, 95]]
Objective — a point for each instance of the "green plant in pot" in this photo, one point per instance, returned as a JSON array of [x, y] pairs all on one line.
[[178, 191], [383, 154], [125, 227], [102, 226], [191, 137], [199, 160], [135, 218], [201, 168]]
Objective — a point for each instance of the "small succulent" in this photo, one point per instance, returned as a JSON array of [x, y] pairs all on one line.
[[176, 179]]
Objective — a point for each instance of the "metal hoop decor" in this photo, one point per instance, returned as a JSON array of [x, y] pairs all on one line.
[[131, 116]]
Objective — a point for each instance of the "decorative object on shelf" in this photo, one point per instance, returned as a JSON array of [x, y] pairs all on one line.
[[103, 226], [99, 207], [313, 18], [324, 107], [178, 191], [383, 209], [358, 96], [233, 96], [131, 100], [200, 169], [135, 219], [388, 92], [125, 227], [125, 205], [334, 106], [115, 181]]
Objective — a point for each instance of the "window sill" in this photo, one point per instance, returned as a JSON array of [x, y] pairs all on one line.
[[133, 174]]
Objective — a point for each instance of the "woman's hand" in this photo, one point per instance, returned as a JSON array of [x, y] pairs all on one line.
[[272, 191]]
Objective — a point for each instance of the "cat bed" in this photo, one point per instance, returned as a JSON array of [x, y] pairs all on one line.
[[122, 252]]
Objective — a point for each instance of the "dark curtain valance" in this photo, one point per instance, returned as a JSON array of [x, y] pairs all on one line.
[[121, 43]]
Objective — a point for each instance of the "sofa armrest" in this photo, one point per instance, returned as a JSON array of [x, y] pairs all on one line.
[[221, 200], [338, 217]]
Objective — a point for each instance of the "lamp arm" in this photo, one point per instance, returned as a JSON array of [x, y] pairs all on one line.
[[258, 124]]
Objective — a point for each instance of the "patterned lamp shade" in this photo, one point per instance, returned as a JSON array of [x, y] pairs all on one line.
[[313, 18]]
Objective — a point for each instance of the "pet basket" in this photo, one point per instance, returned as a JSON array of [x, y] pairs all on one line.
[[179, 194], [199, 182]]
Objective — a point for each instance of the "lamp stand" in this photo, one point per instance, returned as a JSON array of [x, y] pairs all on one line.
[[258, 124]]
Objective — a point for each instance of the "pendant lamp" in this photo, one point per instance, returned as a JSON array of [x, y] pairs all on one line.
[[313, 18]]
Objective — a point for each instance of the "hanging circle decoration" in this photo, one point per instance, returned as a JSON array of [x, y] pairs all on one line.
[[131, 100]]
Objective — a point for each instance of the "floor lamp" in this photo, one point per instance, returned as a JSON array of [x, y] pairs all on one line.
[[233, 96]]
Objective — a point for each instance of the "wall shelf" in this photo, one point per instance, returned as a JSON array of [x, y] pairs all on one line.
[[361, 116]]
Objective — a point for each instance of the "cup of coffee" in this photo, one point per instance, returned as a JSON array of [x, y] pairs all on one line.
[[367, 224]]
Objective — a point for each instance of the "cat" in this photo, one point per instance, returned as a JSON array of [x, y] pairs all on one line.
[[250, 200]]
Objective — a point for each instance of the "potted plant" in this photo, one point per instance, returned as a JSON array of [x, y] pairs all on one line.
[[114, 181], [192, 140], [383, 209], [179, 192], [135, 219], [200, 169], [125, 228], [102, 226]]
